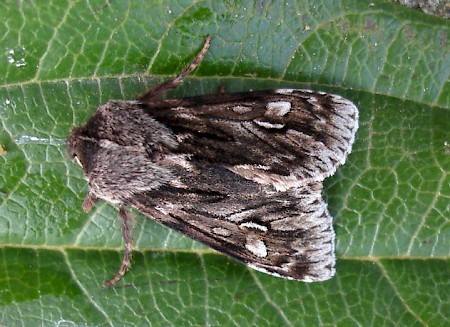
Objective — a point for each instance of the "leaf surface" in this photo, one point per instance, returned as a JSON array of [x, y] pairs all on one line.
[[62, 59]]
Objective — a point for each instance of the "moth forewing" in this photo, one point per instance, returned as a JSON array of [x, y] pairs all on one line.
[[240, 172]]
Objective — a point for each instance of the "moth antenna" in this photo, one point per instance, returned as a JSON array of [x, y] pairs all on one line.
[[177, 80], [126, 219]]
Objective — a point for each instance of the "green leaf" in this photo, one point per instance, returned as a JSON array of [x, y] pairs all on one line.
[[62, 59]]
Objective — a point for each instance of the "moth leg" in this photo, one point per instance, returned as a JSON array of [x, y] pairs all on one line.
[[126, 219], [89, 201], [177, 80]]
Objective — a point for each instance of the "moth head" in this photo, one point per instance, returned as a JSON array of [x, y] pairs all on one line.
[[82, 148]]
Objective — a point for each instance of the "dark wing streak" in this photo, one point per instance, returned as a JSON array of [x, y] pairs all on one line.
[[277, 140], [261, 136]]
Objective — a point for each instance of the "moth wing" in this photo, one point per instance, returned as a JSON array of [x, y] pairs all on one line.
[[295, 134], [288, 234]]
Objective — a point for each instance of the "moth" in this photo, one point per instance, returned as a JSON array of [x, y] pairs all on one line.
[[241, 172]]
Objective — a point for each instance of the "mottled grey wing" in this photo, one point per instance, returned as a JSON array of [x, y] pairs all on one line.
[[241, 173], [298, 134], [260, 200], [288, 234]]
